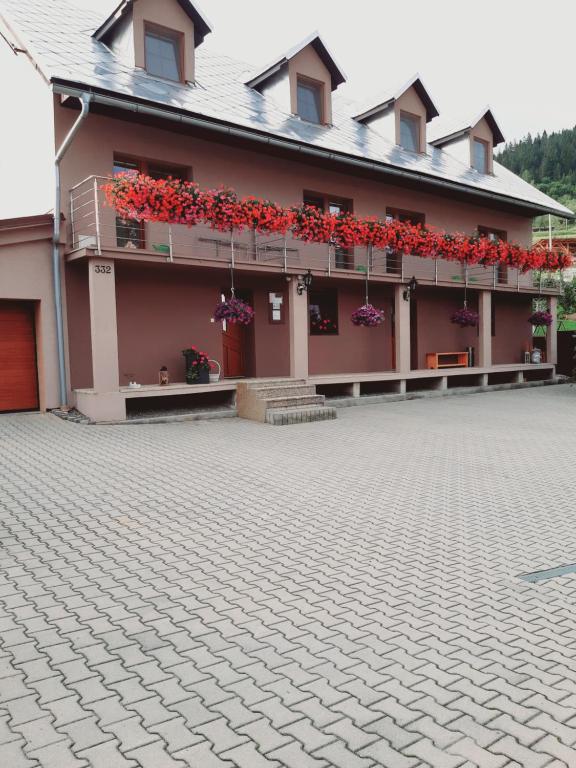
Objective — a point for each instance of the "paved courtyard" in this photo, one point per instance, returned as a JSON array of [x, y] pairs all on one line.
[[220, 594]]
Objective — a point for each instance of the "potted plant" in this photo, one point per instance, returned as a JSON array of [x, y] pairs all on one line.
[[234, 311], [197, 366], [465, 318], [368, 316], [540, 318]]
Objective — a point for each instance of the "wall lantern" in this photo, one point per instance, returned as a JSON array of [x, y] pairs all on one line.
[[304, 283], [410, 288]]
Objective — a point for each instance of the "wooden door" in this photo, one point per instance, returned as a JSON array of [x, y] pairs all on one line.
[[18, 369], [234, 350]]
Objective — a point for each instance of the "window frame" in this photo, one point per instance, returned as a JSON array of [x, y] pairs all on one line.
[[486, 145], [343, 257], [158, 31], [310, 82], [501, 234], [416, 119], [334, 302], [143, 165], [414, 217]]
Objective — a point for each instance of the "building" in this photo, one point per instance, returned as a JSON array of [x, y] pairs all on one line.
[[94, 96]]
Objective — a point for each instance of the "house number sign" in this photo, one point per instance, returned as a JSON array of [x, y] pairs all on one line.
[[103, 269]]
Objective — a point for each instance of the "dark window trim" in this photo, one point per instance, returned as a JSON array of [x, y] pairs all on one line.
[[334, 301], [501, 234], [400, 213], [173, 34]]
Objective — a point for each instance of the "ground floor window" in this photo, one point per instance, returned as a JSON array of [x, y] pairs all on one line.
[[323, 307]]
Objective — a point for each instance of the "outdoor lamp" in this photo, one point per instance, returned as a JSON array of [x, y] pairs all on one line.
[[304, 283], [410, 288]]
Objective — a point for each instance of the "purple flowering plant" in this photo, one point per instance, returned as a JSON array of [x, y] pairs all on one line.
[[234, 311], [540, 317], [465, 318], [368, 316]]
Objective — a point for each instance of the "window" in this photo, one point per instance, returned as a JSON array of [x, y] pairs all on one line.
[[495, 235], [323, 308], [343, 257], [410, 132], [409, 216], [309, 100], [480, 155], [393, 259], [130, 233], [163, 52]]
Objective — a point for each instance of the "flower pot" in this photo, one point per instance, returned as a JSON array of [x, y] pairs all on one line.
[[197, 377]]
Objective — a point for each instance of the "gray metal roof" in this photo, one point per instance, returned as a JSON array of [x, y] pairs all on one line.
[[444, 132], [386, 101], [202, 26], [336, 73], [59, 38]]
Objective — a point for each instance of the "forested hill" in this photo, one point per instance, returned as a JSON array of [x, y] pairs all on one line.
[[548, 161]]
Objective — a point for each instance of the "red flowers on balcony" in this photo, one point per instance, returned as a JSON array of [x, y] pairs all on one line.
[[183, 202]]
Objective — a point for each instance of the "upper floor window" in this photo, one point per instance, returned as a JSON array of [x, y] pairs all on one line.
[[495, 235], [480, 155], [310, 95], [410, 132], [163, 52], [411, 217]]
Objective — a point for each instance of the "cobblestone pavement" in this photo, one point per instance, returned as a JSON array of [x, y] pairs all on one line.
[[344, 593]]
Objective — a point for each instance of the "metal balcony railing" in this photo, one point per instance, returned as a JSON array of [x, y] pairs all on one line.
[[93, 224]]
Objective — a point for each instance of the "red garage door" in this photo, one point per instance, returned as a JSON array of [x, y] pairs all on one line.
[[18, 371]]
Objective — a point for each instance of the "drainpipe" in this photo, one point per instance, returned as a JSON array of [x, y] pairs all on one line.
[[85, 99]]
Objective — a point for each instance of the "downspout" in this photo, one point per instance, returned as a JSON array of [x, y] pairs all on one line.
[[85, 99]]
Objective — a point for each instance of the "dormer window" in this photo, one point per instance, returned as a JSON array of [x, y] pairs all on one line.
[[163, 52], [480, 155], [301, 81], [410, 132], [135, 32], [310, 97]]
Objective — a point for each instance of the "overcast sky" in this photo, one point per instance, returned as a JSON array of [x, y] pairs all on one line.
[[518, 56]]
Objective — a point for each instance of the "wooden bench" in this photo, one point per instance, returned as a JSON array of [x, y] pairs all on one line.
[[446, 359]]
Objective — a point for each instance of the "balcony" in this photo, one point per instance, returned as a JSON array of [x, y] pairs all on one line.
[[94, 226]]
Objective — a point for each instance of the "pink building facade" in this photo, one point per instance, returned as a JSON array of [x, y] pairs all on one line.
[[134, 295]]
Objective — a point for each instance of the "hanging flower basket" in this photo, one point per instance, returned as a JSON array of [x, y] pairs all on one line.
[[368, 316], [465, 318], [541, 318], [234, 311]]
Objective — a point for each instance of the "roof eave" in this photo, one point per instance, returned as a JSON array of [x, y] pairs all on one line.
[[74, 89]]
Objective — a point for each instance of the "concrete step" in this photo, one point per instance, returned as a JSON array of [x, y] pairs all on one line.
[[298, 401], [280, 417], [265, 384], [285, 391]]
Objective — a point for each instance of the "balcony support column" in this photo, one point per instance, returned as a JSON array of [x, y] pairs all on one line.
[[552, 332], [105, 402], [401, 329], [485, 329], [298, 320]]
